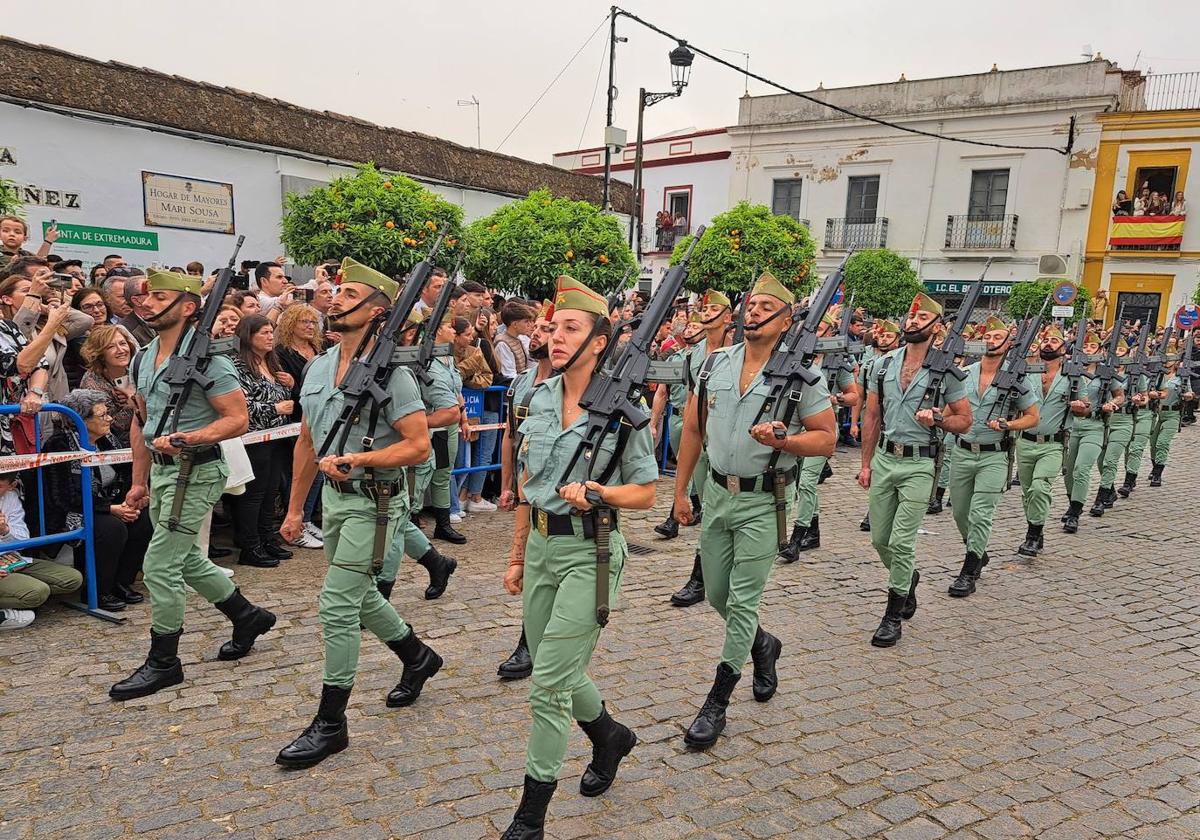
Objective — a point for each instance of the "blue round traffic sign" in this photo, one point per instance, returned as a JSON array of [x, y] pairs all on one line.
[[1065, 293]]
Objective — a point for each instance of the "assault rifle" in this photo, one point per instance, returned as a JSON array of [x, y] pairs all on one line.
[[613, 399], [1106, 370], [187, 370], [426, 348], [840, 356], [787, 373], [941, 361], [1156, 368], [1010, 380]]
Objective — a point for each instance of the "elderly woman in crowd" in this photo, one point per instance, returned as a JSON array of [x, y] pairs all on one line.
[[122, 533], [32, 317], [106, 354], [268, 390]]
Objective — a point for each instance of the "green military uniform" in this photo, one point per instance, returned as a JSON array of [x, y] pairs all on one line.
[[1040, 451], [1166, 423], [807, 504], [1120, 435], [1143, 425], [173, 559], [444, 370], [1085, 445]]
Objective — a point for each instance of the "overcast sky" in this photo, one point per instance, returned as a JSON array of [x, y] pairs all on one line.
[[407, 64]]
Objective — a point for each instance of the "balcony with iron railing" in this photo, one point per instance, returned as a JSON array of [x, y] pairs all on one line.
[[845, 233], [1161, 92], [1152, 234], [666, 237], [975, 232]]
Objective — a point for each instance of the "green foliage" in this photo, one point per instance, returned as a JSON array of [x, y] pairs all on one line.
[[9, 202], [1195, 298], [524, 246], [351, 218], [882, 282], [744, 241], [1027, 299]]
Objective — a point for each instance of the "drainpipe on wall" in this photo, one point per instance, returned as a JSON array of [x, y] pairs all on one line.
[[937, 151]]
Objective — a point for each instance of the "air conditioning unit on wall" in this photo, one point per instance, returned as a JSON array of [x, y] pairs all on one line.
[[1054, 265]]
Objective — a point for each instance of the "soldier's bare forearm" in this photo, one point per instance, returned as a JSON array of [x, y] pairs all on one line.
[[304, 471], [688, 452], [869, 431]]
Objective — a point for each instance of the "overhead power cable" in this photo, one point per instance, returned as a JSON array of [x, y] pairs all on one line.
[[742, 71]]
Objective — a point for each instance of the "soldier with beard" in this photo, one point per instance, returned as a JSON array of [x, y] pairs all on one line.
[[980, 471], [173, 559], [898, 458], [1040, 449], [519, 665]]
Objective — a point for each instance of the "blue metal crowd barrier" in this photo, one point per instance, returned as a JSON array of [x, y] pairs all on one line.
[[85, 532], [474, 397]]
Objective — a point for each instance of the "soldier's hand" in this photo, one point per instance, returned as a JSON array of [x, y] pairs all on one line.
[[138, 497], [292, 527], [507, 500], [337, 467], [854, 431], [514, 578], [683, 509], [768, 434], [575, 494], [925, 417], [864, 478], [995, 426], [165, 445], [1188, 396]]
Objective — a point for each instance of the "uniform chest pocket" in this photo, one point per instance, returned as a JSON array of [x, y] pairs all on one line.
[[537, 444]]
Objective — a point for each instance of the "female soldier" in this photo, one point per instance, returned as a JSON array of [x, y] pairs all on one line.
[[553, 563], [1087, 434]]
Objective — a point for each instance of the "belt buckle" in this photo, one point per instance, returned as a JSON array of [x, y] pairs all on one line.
[[897, 449], [733, 484], [974, 448], [543, 523]]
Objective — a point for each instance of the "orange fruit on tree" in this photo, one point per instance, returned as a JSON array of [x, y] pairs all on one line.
[[389, 224], [603, 259], [387, 185], [570, 255]]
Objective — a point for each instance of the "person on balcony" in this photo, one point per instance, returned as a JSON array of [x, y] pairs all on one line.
[[1158, 205], [1141, 204], [1122, 206], [1179, 206]]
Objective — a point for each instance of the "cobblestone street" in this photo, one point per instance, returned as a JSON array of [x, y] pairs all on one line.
[[1060, 701]]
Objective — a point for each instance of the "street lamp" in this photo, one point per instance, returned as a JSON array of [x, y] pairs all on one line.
[[681, 70], [473, 102]]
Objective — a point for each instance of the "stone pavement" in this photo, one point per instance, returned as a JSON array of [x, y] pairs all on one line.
[[1060, 701]]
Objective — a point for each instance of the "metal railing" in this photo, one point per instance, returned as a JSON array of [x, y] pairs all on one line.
[[1163, 92], [667, 237], [843, 234], [987, 233]]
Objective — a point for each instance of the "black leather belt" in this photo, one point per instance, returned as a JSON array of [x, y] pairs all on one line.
[[977, 448], [739, 484], [203, 455], [1057, 437], [563, 524], [364, 487], [900, 450], [1130, 408]]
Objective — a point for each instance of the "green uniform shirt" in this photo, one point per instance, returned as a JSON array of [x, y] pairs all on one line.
[[1171, 386], [197, 412], [844, 379], [900, 407], [1053, 406], [865, 365], [523, 384], [322, 401], [677, 395], [547, 448], [696, 363], [1089, 390], [730, 448], [982, 408], [443, 391]]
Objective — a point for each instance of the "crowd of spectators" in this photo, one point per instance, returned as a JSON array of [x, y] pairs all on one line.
[[1149, 202]]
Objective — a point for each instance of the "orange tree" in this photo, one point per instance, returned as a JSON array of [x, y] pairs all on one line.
[[881, 281], [9, 202], [744, 241], [385, 221], [524, 246]]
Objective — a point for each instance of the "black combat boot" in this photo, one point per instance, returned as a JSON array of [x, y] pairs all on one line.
[[162, 669], [1110, 498], [692, 591], [935, 504], [1130, 483], [889, 630], [910, 603], [709, 724], [326, 735], [249, 622], [668, 529], [826, 472], [964, 584], [697, 511], [1098, 505], [519, 665], [812, 537], [385, 588], [1071, 522], [420, 663], [440, 567], [611, 741], [1033, 541], [764, 653], [791, 552], [1156, 475], [529, 823], [443, 530], [865, 525]]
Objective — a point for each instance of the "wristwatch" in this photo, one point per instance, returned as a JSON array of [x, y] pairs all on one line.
[[38, 392]]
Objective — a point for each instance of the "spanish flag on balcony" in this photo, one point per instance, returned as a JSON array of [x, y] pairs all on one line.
[[1146, 230]]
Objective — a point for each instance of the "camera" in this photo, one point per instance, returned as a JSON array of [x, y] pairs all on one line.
[[240, 281], [60, 281], [306, 295]]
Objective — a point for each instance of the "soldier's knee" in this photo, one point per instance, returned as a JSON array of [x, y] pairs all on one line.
[[549, 702]]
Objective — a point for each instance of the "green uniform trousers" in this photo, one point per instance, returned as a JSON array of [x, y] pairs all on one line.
[[1087, 439], [559, 599], [1120, 433], [439, 482], [898, 499], [1137, 444], [32, 585], [739, 542], [807, 504], [349, 597], [949, 444], [409, 539], [977, 481], [1038, 464], [676, 426], [1166, 426], [173, 558]]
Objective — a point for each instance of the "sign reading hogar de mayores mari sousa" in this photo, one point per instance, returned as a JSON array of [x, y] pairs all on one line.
[[189, 203]]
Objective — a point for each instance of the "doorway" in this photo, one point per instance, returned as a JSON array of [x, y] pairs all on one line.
[[1139, 306]]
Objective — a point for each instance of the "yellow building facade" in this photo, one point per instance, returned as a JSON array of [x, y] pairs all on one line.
[[1149, 263]]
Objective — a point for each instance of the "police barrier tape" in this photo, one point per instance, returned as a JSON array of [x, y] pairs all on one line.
[[11, 463]]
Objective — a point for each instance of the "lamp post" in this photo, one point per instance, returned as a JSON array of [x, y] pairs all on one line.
[[681, 69], [473, 102]]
